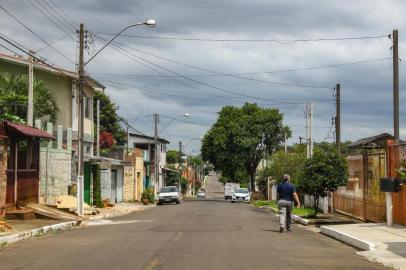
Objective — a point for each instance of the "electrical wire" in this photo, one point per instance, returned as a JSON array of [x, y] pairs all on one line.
[[196, 81], [224, 74], [281, 42], [35, 34], [266, 72]]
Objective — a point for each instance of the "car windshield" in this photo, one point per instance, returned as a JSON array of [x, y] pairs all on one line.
[[168, 189], [241, 190]]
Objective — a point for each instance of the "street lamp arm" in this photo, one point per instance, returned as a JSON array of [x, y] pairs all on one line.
[[111, 40], [169, 123]]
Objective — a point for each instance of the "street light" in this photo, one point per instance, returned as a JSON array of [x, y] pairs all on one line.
[[173, 119], [150, 23], [81, 73]]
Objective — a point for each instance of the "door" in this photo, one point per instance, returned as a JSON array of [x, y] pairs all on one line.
[[375, 199], [87, 168], [113, 198], [119, 184]]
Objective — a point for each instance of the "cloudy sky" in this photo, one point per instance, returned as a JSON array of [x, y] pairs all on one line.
[[206, 54]]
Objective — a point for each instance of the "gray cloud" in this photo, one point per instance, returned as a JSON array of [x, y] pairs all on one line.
[[366, 88]]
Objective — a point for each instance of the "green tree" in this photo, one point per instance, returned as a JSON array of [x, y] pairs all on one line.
[[109, 121], [14, 99], [323, 172], [241, 137], [172, 156]]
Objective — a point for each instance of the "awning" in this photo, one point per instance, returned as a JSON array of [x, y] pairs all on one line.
[[26, 131], [170, 170]]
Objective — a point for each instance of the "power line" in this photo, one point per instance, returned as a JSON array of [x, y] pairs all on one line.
[[193, 80], [229, 75], [59, 15], [34, 56], [278, 41], [44, 12], [35, 34], [265, 72]]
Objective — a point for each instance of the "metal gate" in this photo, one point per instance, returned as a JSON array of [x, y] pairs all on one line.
[[374, 199]]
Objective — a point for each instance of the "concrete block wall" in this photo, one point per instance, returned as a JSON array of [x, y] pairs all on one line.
[[3, 175], [55, 165], [55, 174]]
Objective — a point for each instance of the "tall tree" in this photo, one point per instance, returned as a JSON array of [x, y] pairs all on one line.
[[109, 121], [241, 137], [14, 98]]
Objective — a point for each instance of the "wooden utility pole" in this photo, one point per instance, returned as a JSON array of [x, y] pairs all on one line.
[[30, 111], [338, 119], [98, 128], [81, 71], [180, 166], [156, 163], [395, 49]]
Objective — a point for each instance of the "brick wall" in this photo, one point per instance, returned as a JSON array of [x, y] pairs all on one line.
[[55, 174], [3, 175], [129, 185]]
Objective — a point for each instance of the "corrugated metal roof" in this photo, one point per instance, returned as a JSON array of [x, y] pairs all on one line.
[[27, 131], [371, 140]]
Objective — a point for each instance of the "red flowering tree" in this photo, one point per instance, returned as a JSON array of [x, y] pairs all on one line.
[[106, 139]]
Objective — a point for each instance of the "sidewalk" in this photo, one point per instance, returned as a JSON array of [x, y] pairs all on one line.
[[24, 229], [386, 245]]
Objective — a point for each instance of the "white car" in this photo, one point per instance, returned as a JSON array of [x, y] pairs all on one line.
[[201, 194], [241, 195], [169, 194]]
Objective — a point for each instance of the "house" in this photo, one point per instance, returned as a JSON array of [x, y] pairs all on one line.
[[362, 198], [63, 84], [147, 144], [20, 185]]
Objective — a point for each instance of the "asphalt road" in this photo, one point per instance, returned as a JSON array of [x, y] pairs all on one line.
[[201, 234]]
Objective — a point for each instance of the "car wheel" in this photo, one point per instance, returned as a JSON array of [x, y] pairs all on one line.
[[232, 201]]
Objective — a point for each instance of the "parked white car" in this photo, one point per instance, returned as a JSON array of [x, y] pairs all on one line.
[[241, 195], [169, 194], [201, 194]]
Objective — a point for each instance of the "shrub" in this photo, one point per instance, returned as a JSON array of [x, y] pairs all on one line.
[[149, 195], [257, 196]]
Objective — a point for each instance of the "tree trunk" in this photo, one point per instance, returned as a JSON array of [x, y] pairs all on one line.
[[252, 180], [316, 205]]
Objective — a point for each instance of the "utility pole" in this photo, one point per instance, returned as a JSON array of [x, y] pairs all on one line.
[[309, 119], [128, 137], [81, 71], [338, 119], [98, 128], [156, 167], [395, 50], [285, 143], [180, 165], [30, 111]]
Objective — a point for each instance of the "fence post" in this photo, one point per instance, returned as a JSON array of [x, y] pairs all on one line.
[[69, 139], [49, 130], [59, 137]]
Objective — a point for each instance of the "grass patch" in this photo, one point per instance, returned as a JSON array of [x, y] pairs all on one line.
[[302, 212]]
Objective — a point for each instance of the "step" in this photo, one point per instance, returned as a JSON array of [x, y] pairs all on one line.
[[25, 214]]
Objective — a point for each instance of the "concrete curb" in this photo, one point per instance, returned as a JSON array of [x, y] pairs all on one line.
[[348, 239], [295, 218], [10, 239]]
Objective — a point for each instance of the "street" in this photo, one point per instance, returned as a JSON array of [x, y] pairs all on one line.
[[197, 234]]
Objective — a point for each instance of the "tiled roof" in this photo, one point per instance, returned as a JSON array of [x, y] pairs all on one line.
[[26, 131]]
